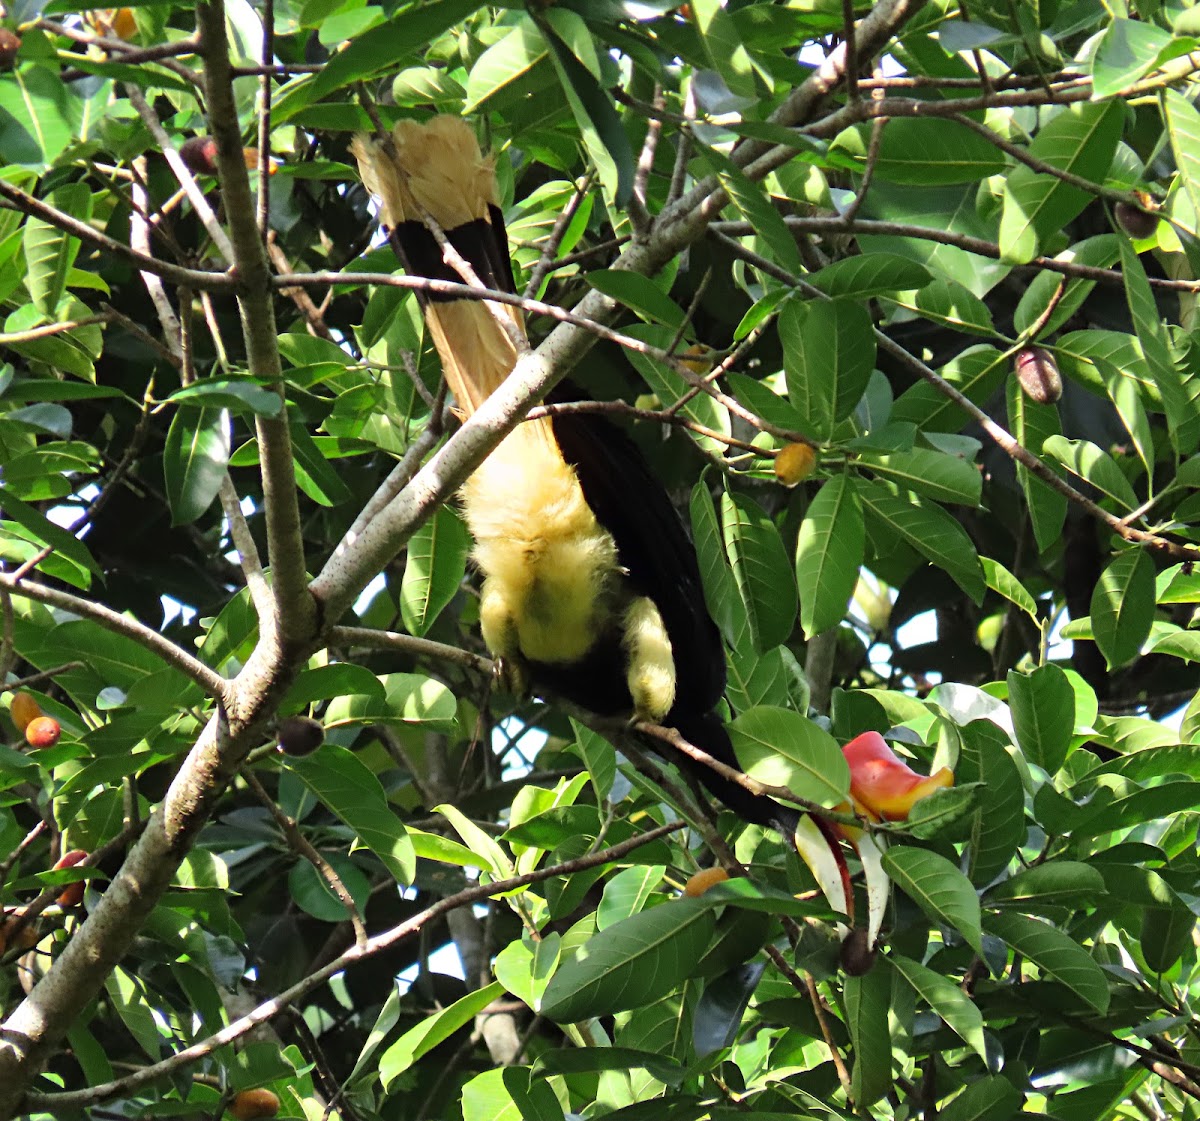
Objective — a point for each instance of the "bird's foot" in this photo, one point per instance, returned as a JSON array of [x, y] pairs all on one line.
[[511, 674]]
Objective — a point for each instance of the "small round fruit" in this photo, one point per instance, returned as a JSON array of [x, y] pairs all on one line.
[[43, 731], [1038, 374], [10, 45], [199, 153], [249, 1105], [25, 939], [1138, 224], [857, 954], [300, 735], [703, 880], [24, 708], [72, 894], [794, 463]]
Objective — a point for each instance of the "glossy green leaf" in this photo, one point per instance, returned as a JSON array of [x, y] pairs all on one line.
[[867, 1001], [1081, 139], [782, 748], [1032, 424], [924, 153], [869, 275], [409, 698], [829, 352], [991, 1098], [1089, 462], [938, 888], [433, 570], [929, 530], [1058, 956], [433, 1030], [761, 569], [632, 963], [342, 782], [946, 999], [638, 293], [1122, 607], [195, 461], [946, 478], [1127, 51], [50, 253], [1043, 712], [829, 553]]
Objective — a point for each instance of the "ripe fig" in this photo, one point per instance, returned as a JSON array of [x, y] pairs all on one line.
[[300, 735], [1136, 223], [42, 731], [794, 463], [1038, 374], [72, 894], [250, 1105], [24, 708], [199, 153], [703, 880]]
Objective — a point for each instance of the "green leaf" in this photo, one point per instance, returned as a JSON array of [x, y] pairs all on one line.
[[195, 460], [632, 963], [50, 253], [1004, 583], [49, 533], [976, 373], [1183, 127], [1122, 607], [1180, 398], [870, 274], [433, 1030], [992, 1098], [381, 49], [720, 589], [1128, 50], [950, 304], [1099, 252], [638, 293], [947, 478], [603, 134], [1066, 883], [433, 569], [828, 355], [409, 698], [340, 781], [829, 553], [1081, 139], [926, 152], [929, 530], [1032, 424], [761, 568], [504, 62], [1043, 712], [1089, 462], [867, 1001], [782, 748], [1165, 935], [723, 46], [938, 888], [946, 999], [241, 396], [1057, 955]]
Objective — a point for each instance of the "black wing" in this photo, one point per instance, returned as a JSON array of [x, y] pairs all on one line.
[[653, 547]]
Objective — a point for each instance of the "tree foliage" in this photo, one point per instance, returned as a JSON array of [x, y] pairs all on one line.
[[949, 246]]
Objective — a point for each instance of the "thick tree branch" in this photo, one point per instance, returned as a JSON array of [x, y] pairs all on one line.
[[295, 614]]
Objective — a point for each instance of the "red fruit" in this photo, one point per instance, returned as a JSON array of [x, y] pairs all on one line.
[[43, 731], [883, 783], [199, 153], [72, 894]]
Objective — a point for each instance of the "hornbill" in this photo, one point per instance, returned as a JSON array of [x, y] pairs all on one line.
[[591, 584]]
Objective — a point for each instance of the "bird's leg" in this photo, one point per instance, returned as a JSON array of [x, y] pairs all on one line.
[[499, 626], [650, 666]]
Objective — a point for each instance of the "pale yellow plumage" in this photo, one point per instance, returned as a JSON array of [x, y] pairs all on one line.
[[552, 583]]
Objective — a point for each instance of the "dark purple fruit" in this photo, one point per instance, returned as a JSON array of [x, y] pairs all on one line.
[[10, 44], [300, 735], [1137, 223], [857, 953]]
